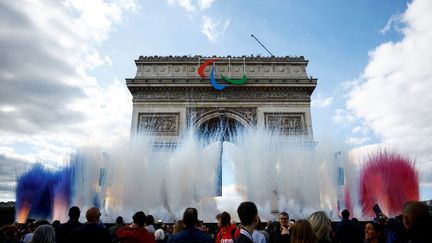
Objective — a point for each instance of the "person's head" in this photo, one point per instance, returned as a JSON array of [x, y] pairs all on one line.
[[93, 215], [204, 228], [415, 215], [302, 233], [199, 224], [44, 234], [149, 220], [31, 227], [345, 214], [119, 220], [374, 232], [159, 234], [283, 219], [178, 226], [55, 223], [218, 220], [248, 214], [291, 223], [190, 217], [270, 226], [260, 225], [139, 218], [225, 219], [320, 225], [74, 213]]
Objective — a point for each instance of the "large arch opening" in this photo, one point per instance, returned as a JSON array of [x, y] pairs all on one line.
[[222, 127]]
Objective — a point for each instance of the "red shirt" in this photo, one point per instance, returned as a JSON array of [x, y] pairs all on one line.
[[135, 235], [225, 235]]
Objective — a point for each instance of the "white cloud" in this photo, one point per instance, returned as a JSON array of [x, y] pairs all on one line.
[[93, 59], [205, 4], [343, 116], [394, 97], [321, 102], [347, 85], [214, 29], [97, 17], [9, 169], [186, 4], [7, 108], [357, 140], [108, 60], [393, 22], [363, 129], [192, 5], [50, 104]]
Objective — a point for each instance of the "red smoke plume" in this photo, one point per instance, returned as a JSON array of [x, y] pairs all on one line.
[[389, 180]]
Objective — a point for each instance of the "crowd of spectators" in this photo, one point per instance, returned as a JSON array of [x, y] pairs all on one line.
[[414, 225]]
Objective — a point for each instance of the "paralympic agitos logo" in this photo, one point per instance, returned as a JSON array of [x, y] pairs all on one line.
[[213, 81]]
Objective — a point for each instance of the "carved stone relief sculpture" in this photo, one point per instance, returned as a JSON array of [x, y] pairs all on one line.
[[161, 124]]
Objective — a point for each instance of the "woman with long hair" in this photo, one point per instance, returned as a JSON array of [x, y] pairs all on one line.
[[321, 226], [302, 233], [178, 226]]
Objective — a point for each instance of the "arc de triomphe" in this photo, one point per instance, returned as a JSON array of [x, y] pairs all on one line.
[[169, 95]]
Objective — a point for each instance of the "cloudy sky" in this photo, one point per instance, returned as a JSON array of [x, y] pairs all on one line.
[[63, 65]]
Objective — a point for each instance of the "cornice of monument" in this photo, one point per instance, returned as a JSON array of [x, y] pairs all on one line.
[[184, 69], [196, 58], [204, 83], [184, 93]]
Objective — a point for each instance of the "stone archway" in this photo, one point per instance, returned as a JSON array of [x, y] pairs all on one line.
[[170, 96], [221, 126]]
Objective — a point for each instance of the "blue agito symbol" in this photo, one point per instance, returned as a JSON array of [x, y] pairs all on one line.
[[213, 81]]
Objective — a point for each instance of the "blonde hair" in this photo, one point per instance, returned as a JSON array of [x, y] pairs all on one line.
[[320, 225], [178, 226], [302, 233]]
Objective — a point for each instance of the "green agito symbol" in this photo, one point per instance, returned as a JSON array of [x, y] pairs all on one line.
[[235, 81], [213, 81]]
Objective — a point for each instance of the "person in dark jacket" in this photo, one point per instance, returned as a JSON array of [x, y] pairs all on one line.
[[63, 230], [113, 230], [248, 214], [280, 233], [417, 222], [92, 231], [190, 232], [347, 231]]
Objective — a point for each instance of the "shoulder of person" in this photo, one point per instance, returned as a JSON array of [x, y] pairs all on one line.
[[243, 239]]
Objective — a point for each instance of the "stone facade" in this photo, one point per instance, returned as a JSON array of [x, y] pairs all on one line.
[[168, 94]]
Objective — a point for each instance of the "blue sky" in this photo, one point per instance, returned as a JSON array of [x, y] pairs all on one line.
[[79, 53], [334, 36]]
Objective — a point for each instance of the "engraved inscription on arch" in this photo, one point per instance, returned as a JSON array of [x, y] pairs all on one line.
[[161, 124]]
